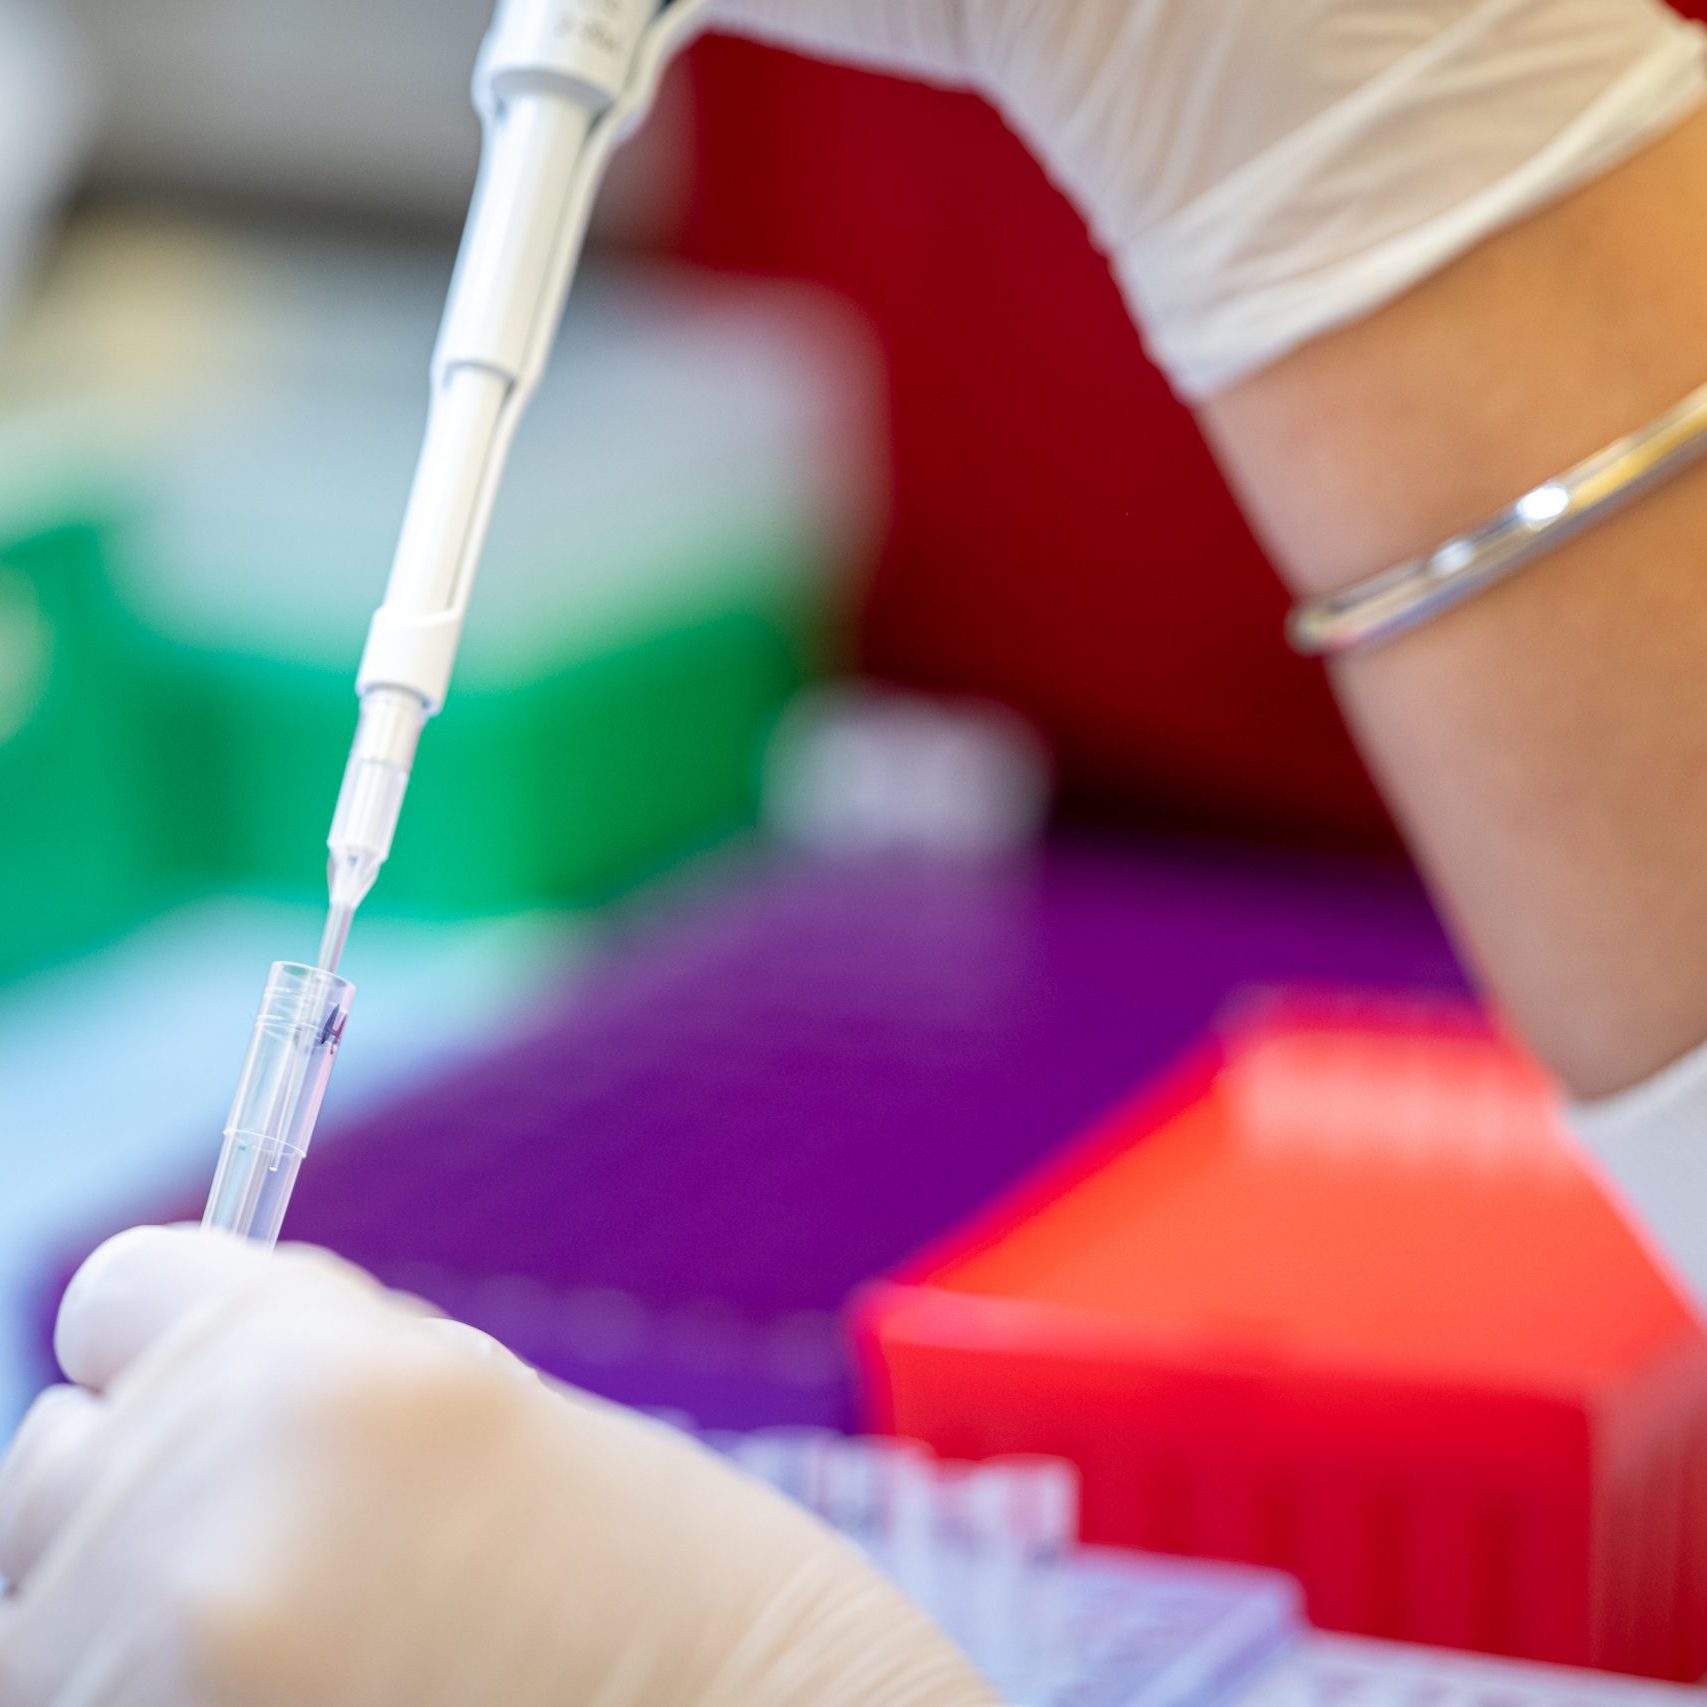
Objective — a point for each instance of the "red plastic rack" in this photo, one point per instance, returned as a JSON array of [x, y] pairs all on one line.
[[1340, 1298]]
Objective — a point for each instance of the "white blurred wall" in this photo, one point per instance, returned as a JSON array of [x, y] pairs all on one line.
[[351, 104]]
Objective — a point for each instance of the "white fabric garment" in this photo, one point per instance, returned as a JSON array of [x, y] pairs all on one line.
[[1650, 1143], [1259, 171]]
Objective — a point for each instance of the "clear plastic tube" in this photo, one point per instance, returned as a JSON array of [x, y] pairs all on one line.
[[984, 1548], [296, 1038], [1021, 1518], [990, 1550]]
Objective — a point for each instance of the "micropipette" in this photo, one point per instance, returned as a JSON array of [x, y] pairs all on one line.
[[558, 84]]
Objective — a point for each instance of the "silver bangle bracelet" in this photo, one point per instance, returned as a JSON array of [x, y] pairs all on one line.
[[1414, 592]]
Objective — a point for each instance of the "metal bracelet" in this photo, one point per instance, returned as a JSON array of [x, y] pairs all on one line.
[[1398, 599]]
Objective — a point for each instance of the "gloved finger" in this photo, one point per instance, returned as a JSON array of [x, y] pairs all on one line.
[[44, 1474], [142, 1284], [473, 1343], [139, 1285], [121, 1653]]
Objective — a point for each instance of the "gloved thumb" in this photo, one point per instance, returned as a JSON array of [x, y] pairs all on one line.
[[144, 1284]]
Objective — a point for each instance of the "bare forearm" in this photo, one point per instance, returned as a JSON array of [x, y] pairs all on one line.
[[1545, 746]]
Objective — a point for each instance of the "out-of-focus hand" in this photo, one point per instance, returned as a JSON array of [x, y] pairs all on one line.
[[276, 1483], [1261, 170]]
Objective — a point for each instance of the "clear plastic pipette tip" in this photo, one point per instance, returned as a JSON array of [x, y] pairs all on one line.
[[369, 802], [335, 935]]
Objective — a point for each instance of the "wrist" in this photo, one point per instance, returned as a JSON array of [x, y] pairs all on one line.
[[1380, 440]]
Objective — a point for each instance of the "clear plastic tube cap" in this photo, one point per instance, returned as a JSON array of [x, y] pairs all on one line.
[[295, 1041]]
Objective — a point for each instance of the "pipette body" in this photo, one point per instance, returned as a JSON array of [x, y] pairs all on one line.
[[558, 84]]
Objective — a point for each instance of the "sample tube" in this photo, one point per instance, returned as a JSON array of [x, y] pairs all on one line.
[[278, 1100], [1024, 1519]]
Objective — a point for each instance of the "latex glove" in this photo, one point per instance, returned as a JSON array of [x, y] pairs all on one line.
[[1261, 170], [276, 1483]]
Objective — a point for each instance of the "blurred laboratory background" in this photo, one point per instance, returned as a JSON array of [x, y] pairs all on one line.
[[883, 936]]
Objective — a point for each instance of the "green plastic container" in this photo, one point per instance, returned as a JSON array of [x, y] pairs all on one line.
[[667, 566], [77, 835], [562, 790]]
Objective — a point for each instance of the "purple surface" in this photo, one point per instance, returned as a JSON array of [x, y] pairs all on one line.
[[667, 1188]]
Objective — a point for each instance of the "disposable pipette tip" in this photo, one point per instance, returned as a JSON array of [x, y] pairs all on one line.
[[336, 934]]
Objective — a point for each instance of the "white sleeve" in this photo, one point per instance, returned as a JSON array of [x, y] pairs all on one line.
[[1651, 1146], [1504, 107], [1260, 171]]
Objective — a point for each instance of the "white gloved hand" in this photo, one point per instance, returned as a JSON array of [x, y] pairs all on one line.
[[1261, 170], [278, 1484]]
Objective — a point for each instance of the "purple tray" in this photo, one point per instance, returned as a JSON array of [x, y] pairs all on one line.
[[668, 1188]]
